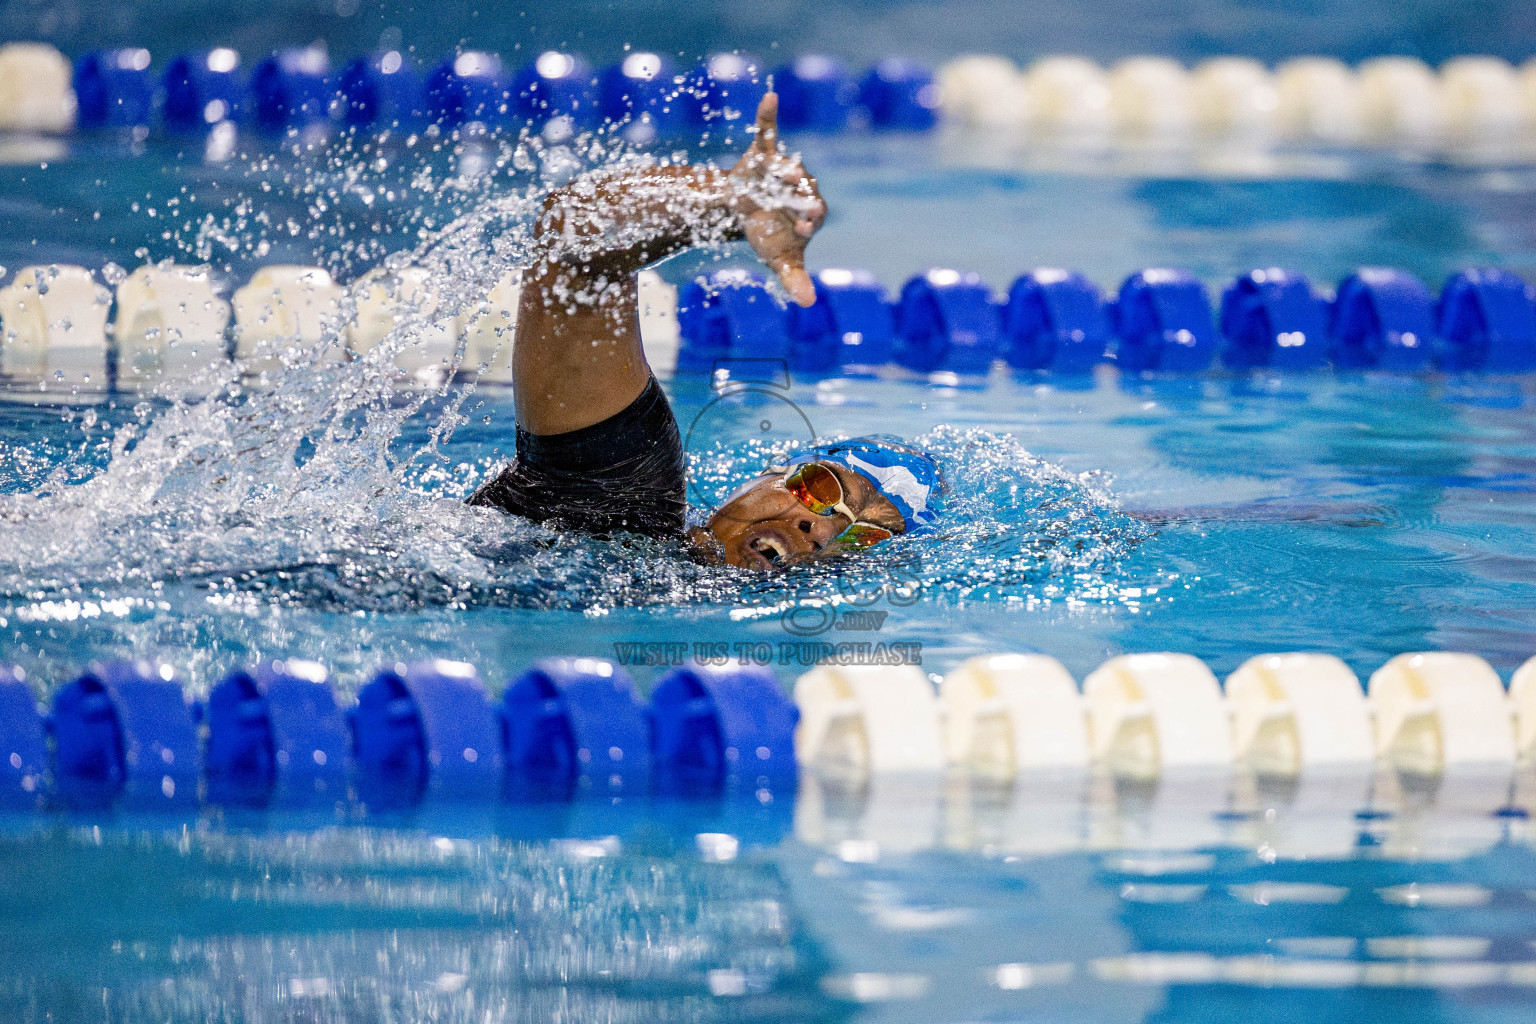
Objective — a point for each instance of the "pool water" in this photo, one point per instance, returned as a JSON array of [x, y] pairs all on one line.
[[1194, 901], [1223, 517], [318, 514]]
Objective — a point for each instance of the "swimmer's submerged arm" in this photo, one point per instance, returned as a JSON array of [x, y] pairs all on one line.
[[578, 358]]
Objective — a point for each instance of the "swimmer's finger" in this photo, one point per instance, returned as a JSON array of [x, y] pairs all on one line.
[[790, 170], [814, 212], [796, 281], [809, 218], [800, 287], [809, 203], [768, 123]]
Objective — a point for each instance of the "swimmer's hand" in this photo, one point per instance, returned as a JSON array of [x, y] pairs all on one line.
[[779, 203]]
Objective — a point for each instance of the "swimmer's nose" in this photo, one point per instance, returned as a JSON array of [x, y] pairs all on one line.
[[819, 530]]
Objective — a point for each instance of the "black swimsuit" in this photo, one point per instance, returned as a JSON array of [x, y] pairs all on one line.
[[625, 473]]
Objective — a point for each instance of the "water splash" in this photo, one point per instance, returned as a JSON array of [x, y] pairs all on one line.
[[331, 485], [348, 530], [1012, 524]]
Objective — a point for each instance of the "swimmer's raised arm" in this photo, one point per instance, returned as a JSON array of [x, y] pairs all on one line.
[[578, 358], [598, 448]]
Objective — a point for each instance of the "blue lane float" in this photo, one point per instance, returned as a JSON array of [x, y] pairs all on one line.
[[113, 88], [467, 87], [380, 92], [900, 94], [730, 313], [555, 85], [573, 727], [567, 729], [1272, 318], [725, 90], [816, 93], [426, 729], [946, 321], [1487, 322], [124, 730], [1054, 320], [200, 89], [851, 325], [1381, 319], [294, 89], [641, 94], [276, 734], [1162, 320], [23, 747], [289, 90], [719, 729]]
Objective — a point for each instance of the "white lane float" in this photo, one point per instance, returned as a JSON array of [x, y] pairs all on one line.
[[1181, 809], [170, 321], [490, 329], [1008, 714], [1151, 96], [1020, 788], [983, 91], [1522, 694], [859, 820], [660, 333], [1151, 712], [1319, 98], [1234, 94], [1067, 95], [1437, 710], [1400, 99], [1309, 814], [1302, 724], [1291, 712], [53, 327], [36, 89], [1528, 91], [403, 299], [1482, 97], [861, 720], [285, 308], [1449, 814], [869, 737], [1159, 725], [1036, 812]]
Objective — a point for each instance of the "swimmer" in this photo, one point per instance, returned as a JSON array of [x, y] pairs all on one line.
[[597, 447]]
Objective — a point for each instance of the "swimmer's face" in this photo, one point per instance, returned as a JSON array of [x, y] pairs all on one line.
[[763, 527]]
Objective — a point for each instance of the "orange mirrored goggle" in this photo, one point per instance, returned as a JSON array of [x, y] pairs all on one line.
[[819, 490]]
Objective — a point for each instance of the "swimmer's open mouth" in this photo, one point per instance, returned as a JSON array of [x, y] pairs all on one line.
[[768, 550]]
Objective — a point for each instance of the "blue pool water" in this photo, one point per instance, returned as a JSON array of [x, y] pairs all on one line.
[[862, 30], [1223, 515], [1064, 899], [1219, 515]]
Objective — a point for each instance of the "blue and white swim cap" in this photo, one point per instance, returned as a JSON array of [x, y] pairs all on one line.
[[910, 479]]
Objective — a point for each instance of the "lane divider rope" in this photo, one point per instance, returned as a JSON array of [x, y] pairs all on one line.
[[1468, 100], [576, 728], [648, 96], [63, 329]]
